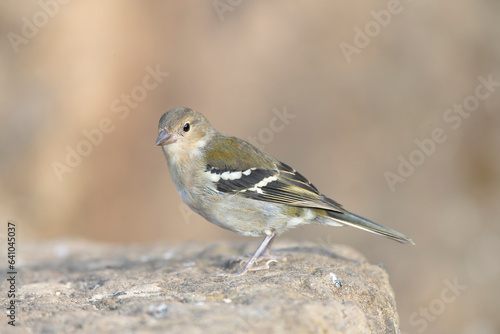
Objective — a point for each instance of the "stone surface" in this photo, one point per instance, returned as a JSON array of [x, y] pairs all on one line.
[[68, 286]]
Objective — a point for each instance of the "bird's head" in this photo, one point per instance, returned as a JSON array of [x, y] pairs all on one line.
[[183, 129]]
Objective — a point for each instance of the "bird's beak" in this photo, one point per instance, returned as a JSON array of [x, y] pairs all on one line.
[[164, 138]]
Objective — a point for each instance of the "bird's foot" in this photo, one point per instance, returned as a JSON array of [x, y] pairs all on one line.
[[254, 267], [275, 258], [263, 257], [262, 253]]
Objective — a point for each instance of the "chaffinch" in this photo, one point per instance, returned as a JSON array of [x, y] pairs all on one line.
[[235, 185]]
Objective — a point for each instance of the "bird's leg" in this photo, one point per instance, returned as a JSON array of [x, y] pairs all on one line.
[[266, 254], [262, 248]]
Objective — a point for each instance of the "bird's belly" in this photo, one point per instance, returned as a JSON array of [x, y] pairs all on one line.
[[255, 218]]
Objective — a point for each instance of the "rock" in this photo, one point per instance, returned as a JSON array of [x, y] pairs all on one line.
[[67, 286]]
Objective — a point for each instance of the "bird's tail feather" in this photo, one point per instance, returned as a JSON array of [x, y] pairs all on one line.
[[351, 219]]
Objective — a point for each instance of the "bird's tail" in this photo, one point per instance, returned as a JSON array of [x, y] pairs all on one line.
[[351, 219]]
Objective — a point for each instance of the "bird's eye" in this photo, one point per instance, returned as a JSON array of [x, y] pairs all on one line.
[[187, 127]]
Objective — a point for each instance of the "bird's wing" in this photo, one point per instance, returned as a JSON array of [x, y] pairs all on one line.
[[262, 178]]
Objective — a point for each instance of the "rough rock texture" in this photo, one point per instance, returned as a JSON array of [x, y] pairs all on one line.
[[68, 286]]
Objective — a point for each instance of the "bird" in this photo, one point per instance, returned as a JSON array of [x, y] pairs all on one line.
[[237, 186]]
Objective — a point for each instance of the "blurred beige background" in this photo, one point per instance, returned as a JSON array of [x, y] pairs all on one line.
[[67, 69]]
